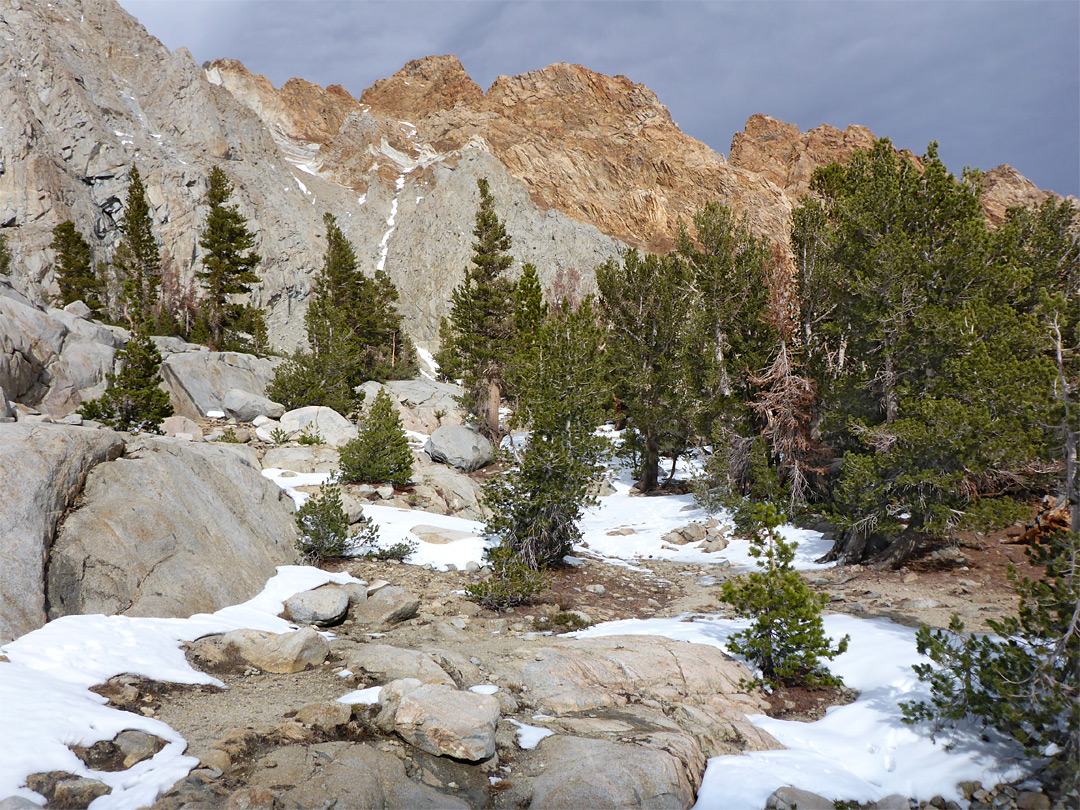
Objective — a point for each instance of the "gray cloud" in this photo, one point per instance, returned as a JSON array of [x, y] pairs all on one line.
[[992, 82]]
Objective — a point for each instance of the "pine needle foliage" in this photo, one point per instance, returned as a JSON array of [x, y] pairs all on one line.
[[477, 338], [74, 267], [323, 525], [228, 267], [537, 504], [1025, 682], [380, 453], [132, 400], [786, 638], [511, 582], [138, 260], [354, 334], [5, 255]]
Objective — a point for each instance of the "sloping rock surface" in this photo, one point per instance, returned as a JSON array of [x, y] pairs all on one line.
[[42, 472], [171, 529]]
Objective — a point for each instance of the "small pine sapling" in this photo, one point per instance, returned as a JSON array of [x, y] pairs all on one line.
[[1026, 681], [512, 581], [786, 637], [323, 525], [380, 453], [132, 400]]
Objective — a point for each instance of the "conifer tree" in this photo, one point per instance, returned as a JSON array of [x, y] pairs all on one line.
[[228, 267], [786, 638], [5, 255], [380, 453], [934, 379], [536, 506], [1023, 681], [647, 302], [323, 525], [132, 400], [74, 267], [354, 334], [477, 340], [138, 259]]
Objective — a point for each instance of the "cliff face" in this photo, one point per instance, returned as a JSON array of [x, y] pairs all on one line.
[[582, 164]]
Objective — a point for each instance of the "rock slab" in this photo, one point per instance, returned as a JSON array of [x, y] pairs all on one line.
[[445, 722], [171, 529], [321, 606], [44, 468]]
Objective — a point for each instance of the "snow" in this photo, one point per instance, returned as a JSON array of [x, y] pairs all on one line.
[[529, 736], [366, 697], [484, 689], [44, 688], [428, 359], [859, 752], [215, 414]]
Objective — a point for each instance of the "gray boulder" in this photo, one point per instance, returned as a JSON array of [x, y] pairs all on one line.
[[198, 381], [460, 447], [603, 775], [171, 529], [302, 458], [182, 427], [383, 663], [5, 407], [791, 798], [388, 605], [460, 495], [244, 406], [44, 469], [448, 723], [332, 428], [321, 606], [281, 653]]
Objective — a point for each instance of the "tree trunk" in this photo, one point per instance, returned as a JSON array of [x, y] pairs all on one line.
[[889, 384], [650, 466], [491, 412]]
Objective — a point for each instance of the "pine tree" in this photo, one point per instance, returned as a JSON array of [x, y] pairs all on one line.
[[74, 267], [354, 334], [647, 302], [138, 259], [323, 525], [132, 400], [536, 506], [1025, 681], [786, 638], [228, 265], [934, 379], [477, 341], [380, 453], [5, 255]]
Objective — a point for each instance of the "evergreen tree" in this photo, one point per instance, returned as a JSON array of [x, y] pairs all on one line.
[[536, 506], [75, 267], [380, 453], [138, 260], [647, 302], [132, 400], [1025, 680], [727, 266], [786, 638], [477, 339], [228, 266], [354, 334], [933, 380], [323, 525]]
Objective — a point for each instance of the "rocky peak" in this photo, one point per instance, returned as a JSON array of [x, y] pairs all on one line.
[[424, 86], [301, 110], [1005, 188], [787, 157]]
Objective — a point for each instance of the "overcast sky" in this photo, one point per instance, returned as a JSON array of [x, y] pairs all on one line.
[[993, 82]]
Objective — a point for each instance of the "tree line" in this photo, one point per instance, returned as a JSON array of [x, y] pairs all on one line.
[[908, 372]]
